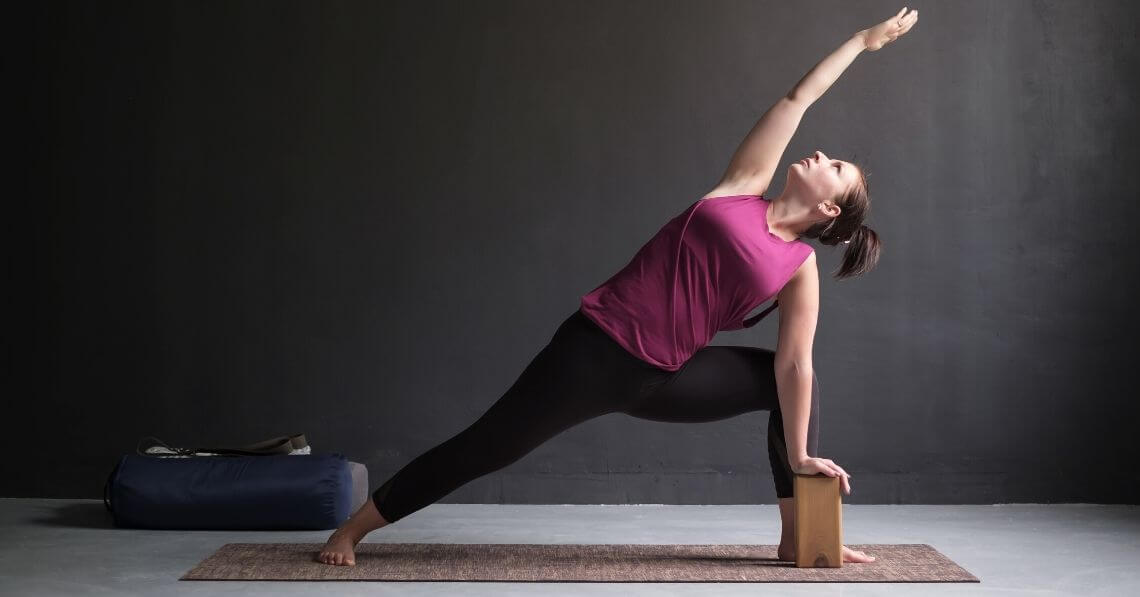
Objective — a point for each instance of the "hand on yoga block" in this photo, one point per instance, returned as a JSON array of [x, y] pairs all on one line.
[[811, 465]]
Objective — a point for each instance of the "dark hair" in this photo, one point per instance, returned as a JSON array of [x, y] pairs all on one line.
[[863, 251]]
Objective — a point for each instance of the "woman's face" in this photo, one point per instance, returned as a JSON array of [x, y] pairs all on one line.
[[820, 178]]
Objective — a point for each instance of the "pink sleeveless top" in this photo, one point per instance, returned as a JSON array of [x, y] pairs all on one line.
[[703, 272]]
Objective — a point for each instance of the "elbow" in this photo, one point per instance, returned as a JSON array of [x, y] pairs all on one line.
[[797, 97], [801, 366]]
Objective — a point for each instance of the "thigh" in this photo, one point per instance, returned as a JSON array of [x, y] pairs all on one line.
[[717, 382], [574, 378]]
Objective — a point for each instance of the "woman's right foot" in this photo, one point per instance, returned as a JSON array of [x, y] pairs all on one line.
[[338, 549]]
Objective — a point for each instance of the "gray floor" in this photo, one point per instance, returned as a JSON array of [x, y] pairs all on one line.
[[69, 547]]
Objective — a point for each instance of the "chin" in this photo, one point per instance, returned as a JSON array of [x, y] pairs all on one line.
[[796, 170]]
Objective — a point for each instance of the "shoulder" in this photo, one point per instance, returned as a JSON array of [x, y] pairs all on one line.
[[810, 266], [735, 188], [809, 263], [807, 274]]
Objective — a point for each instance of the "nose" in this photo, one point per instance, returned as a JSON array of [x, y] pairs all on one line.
[[819, 156]]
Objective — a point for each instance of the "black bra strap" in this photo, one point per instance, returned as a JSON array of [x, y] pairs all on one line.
[[751, 321]]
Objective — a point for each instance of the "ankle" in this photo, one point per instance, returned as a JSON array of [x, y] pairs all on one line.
[[361, 526], [355, 529]]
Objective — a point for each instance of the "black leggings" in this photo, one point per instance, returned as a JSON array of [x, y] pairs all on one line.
[[581, 374]]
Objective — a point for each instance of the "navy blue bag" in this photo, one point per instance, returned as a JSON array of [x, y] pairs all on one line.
[[272, 492]]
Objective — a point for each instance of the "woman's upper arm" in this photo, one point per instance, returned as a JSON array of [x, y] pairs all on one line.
[[799, 311], [753, 165]]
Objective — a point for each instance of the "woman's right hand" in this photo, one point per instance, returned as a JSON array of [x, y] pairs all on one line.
[[812, 466], [889, 30]]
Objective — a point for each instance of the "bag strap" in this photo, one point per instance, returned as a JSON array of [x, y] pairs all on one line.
[[276, 445], [284, 444]]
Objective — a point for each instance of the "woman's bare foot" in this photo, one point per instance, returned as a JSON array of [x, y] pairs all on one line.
[[786, 552], [857, 557], [338, 549]]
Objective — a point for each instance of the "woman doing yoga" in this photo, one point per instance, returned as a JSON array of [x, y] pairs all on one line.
[[638, 343]]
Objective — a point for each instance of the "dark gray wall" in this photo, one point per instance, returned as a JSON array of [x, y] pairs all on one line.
[[361, 220]]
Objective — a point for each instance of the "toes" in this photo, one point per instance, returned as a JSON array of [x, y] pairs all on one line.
[[339, 559]]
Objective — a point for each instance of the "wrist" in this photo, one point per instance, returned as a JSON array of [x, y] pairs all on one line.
[[862, 37]]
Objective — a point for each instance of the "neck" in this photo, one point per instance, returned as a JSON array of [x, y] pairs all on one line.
[[787, 214]]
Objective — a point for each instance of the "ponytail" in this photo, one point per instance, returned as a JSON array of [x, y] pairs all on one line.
[[862, 254]]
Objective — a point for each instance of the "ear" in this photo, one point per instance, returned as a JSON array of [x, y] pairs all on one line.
[[830, 208]]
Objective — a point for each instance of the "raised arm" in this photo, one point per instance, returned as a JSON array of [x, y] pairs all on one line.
[[754, 163]]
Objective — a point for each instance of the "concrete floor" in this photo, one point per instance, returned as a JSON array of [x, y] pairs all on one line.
[[69, 547]]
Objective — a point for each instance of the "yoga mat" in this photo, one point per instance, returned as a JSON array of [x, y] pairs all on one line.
[[529, 562]]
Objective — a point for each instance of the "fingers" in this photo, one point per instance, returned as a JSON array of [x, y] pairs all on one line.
[[908, 22], [835, 470], [844, 483], [902, 25], [835, 467]]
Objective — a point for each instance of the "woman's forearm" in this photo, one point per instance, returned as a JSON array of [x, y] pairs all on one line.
[[793, 388], [822, 75]]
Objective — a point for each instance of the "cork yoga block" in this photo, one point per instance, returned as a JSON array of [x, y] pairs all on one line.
[[819, 521]]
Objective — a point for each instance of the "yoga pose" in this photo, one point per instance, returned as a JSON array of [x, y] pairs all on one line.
[[637, 344]]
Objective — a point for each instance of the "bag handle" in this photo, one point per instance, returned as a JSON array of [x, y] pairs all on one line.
[[276, 445]]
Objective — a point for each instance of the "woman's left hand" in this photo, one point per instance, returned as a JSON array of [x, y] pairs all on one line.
[[889, 30]]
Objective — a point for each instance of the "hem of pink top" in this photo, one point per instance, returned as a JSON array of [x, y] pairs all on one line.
[[622, 343]]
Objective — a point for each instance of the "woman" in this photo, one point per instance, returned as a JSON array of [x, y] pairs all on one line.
[[638, 342]]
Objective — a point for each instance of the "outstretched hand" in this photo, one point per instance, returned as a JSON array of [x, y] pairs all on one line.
[[889, 30]]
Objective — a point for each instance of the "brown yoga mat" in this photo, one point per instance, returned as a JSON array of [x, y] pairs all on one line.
[[530, 562]]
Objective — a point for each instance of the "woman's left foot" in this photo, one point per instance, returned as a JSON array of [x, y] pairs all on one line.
[[787, 553], [857, 557]]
